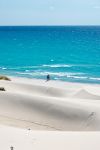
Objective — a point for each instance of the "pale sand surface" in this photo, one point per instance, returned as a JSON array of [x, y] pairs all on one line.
[[23, 139], [53, 105]]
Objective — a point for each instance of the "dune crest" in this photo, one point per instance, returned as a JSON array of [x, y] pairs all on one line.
[[83, 93]]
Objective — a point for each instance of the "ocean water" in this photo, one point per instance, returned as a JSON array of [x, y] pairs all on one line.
[[67, 53]]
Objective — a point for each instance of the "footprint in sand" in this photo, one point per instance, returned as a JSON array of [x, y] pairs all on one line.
[[90, 118]]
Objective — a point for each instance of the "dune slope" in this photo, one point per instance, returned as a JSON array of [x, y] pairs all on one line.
[[52, 105]]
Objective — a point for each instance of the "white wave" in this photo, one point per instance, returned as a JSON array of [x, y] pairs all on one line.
[[41, 66], [48, 66], [69, 65], [51, 60], [77, 77], [4, 68], [59, 74], [57, 65], [94, 78], [26, 70], [24, 67], [83, 77], [24, 73], [56, 78]]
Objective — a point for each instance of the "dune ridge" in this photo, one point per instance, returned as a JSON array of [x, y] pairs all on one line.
[[52, 105]]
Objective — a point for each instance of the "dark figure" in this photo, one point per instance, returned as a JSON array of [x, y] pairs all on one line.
[[48, 77], [2, 89], [12, 148]]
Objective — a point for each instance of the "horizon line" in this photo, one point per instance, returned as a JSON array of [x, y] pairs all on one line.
[[42, 25]]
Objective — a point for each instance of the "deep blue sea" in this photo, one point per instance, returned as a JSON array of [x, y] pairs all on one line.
[[67, 53]]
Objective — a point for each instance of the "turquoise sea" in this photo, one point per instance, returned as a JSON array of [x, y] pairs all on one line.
[[67, 53]]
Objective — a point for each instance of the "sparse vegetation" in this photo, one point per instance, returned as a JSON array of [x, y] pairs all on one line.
[[4, 78], [2, 89]]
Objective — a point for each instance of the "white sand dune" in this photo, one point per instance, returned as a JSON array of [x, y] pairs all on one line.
[[84, 94], [52, 105]]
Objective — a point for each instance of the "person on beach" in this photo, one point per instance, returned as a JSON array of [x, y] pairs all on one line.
[[48, 77]]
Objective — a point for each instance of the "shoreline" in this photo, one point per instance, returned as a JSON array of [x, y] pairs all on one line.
[[54, 81]]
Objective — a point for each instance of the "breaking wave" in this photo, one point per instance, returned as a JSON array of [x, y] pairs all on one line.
[[40, 71]]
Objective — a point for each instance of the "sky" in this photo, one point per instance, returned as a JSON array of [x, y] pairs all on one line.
[[49, 12]]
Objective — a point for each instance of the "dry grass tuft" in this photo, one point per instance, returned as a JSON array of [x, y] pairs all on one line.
[[4, 78]]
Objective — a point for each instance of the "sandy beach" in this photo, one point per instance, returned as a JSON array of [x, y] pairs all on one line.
[[53, 105], [35, 114], [42, 140]]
